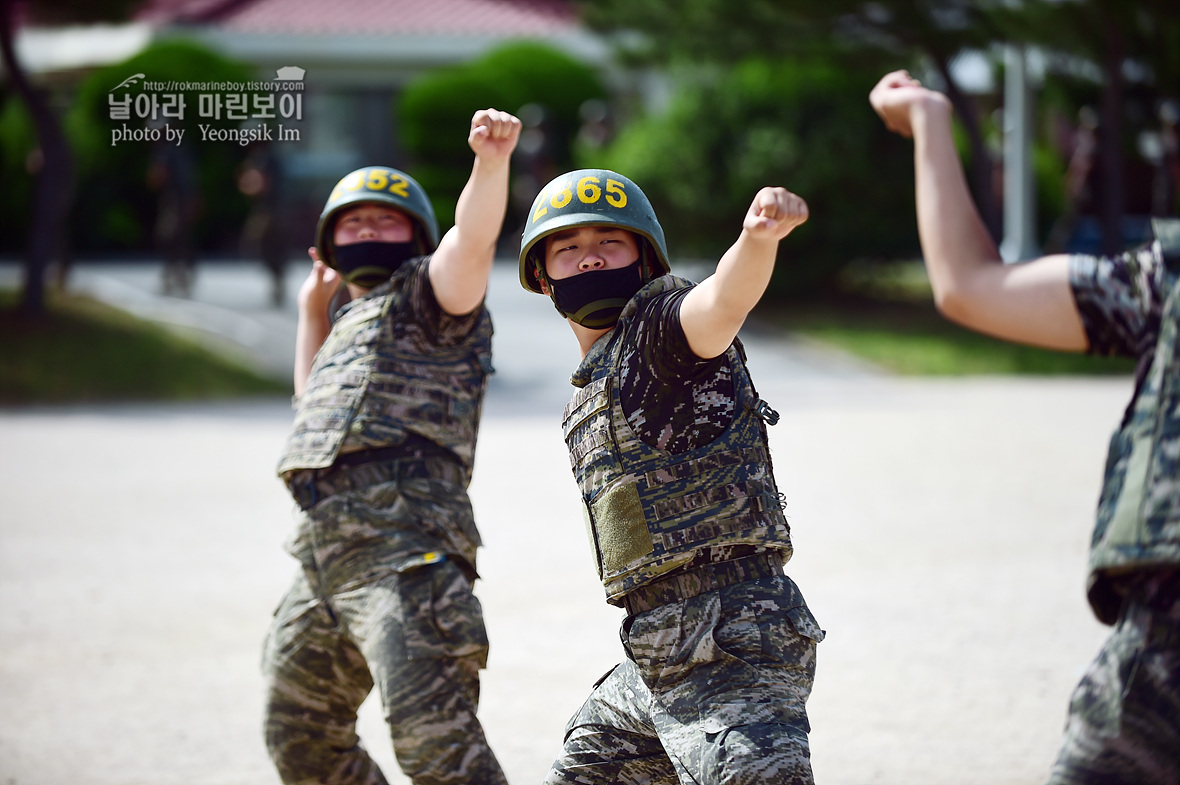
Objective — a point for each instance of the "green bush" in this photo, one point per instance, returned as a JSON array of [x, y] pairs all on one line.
[[549, 80], [115, 207], [804, 125], [17, 141], [435, 110]]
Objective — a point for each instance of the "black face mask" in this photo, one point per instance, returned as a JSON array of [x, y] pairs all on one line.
[[370, 264], [594, 299]]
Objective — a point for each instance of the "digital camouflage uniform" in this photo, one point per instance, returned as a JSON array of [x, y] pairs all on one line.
[[1124, 719], [379, 461], [720, 643]]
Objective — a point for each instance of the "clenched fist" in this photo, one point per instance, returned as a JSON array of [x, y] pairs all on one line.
[[493, 134], [774, 213]]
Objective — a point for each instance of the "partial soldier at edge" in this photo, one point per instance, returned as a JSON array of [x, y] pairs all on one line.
[[1123, 725]]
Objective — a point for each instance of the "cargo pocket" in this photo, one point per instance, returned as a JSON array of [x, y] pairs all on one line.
[[443, 618], [776, 647], [805, 624], [1162, 507], [443, 511], [665, 646], [719, 717], [764, 625]]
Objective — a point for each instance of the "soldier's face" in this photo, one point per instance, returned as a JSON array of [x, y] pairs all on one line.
[[586, 248], [372, 223]]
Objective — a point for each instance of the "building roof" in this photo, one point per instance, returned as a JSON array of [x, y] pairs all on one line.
[[368, 17], [345, 41]]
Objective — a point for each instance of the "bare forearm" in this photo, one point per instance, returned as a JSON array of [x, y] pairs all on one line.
[[955, 242], [1029, 302], [742, 276], [460, 267], [479, 214], [713, 312]]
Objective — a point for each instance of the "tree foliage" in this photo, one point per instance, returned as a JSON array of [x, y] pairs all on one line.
[[1130, 54], [435, 110], [116, 207], [79, 12], [878, 36], [1145, 34], [1131, 51], [710, 30], [796, 123], [53, 164]]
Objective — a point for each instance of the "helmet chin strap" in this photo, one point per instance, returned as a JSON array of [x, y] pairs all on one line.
[[420, 239], [539, 271], [646, 268]]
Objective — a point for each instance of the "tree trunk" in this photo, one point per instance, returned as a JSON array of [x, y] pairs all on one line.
[[1110, 151], [54, 183], [982, 165]]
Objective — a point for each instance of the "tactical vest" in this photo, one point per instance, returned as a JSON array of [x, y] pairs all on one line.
[[648, 511], [1138, 526], [379, 378]]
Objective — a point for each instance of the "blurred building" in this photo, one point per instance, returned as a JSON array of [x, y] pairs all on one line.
[[354, 56], [358, 54]]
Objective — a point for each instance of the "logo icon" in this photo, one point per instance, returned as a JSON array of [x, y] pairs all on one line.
[[290, 73], [128, 82]]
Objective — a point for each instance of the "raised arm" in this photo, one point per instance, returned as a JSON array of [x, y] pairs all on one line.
[[315, 297], [1029, 302], [714, 311], [460, 266]]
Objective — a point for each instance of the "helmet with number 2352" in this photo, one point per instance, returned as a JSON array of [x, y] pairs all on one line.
[[377, 185]]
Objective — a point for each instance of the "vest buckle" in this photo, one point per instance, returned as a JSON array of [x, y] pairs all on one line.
[[764, 410]]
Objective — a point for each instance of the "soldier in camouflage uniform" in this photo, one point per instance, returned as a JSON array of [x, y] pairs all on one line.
[[667, 440], [388, 400], [1124, 718]]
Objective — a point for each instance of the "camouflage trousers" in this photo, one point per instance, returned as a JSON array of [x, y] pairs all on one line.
[[354, 619], [1124, 717], [713, 691]]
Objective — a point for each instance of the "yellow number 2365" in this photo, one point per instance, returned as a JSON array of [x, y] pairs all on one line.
[[588, 191]]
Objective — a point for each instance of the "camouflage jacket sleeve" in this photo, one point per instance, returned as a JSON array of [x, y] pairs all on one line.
[[1120, 299], [674, 400], [660, 339]]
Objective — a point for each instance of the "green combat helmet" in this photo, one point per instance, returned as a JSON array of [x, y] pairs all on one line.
[[590, 197], [381, 185]]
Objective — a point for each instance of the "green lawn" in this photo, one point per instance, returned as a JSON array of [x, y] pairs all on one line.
[[886, 316], [84, 351]]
